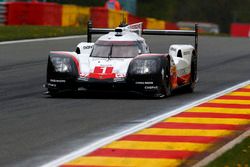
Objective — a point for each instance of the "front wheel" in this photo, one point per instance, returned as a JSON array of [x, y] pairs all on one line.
[[53, 92], [61, 93]]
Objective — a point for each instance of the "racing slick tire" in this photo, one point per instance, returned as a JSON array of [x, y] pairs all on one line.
[[61, 93], [53, 92], [165, 85], [191, 86]]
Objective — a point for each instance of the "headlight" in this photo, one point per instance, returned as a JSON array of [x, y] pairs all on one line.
[[144, 66], [61, 64]]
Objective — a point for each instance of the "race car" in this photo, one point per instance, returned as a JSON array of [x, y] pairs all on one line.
[[121, 60]]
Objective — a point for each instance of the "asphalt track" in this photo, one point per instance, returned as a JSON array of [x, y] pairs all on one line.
[[36, 129]]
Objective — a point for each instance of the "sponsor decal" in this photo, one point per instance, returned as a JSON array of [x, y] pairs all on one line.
[[101, 72], [183, 71], [51, 85], [83, 79], [186, 53], [83, 75], [119, 79], [87, 47], [173, 77], [120, 75], [173, 49], [58, 81], [144, 83], [151, 87]]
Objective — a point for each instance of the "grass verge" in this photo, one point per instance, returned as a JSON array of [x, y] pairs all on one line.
[[8, 33], [238, 156]]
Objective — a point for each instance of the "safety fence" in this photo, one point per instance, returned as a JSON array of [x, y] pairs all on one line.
[[52, 14], [240, 30]]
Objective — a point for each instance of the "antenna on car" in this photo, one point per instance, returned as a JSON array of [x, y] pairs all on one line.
[[124, 21], [89, 34]]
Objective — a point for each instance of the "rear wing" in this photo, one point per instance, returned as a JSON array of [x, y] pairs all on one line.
[[194, 33]]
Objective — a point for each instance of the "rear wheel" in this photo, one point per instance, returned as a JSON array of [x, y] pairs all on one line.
[[165, 85], [191, 86]]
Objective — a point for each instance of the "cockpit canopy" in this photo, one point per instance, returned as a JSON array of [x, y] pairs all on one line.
[[118, 49]]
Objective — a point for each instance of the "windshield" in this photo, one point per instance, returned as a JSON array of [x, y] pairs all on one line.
[[115, 50]]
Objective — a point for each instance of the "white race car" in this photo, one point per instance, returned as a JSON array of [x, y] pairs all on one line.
[[121, 60]]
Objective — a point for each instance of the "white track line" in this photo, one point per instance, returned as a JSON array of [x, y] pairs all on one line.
[[222, 150], [90, 148], [42, 39]]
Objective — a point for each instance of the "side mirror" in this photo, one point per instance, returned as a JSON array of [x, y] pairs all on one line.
[[78, 50], [139, 51], [148, 49]]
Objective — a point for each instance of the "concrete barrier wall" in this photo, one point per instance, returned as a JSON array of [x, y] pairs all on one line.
[[28, 13], [155, 24], [99, 16], [73, 15], [17, 13], [240, 30], [171, 26], [47, 14], [135, 19], [116, 17]]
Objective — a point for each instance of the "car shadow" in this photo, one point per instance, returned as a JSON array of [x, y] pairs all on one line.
[[101, 94]]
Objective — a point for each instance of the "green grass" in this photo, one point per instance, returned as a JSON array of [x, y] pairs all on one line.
[[238, 156], [8, 33]]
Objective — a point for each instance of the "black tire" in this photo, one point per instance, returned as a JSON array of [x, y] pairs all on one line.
[[190, 88], [53, 92], [61, 93], [165, 85]]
